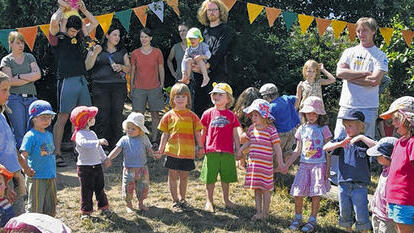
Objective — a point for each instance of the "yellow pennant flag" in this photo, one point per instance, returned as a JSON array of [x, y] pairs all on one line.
[[304, 22], [45, 29], [408, 36], [351, 31], [338, 26], [272, 14], [141, 13], [229, 3], [29, 35], [174, 4], [322, 25], [253, 10], [105, 21], [387, 34]]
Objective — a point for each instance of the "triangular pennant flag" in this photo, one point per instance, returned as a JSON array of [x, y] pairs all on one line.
[[174, 4], [105, 21], [351, 31], [304, 22], [29, 34], [387, 34], [158, 9], [272, 14], [124, 18], [45, 29], [338, 26], [4, 37], [289, 18], [408, 36], [322, 25], [141, 13], [229, 3], [253, 10]]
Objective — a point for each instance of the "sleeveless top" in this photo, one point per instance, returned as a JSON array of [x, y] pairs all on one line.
[[311, 89]]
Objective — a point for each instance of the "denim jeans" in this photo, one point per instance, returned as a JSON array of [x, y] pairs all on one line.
[[353, 197], [19, 116]]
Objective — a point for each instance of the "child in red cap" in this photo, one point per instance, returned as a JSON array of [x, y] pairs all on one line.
[[90, 158], [6, 210]]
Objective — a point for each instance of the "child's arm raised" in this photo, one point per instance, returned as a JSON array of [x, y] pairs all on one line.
[[93, 21], [64, 4], [22, 156], [368, 141], [331, 79], [334, 145]]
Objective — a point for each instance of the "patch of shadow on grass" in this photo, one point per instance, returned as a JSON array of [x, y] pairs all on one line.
[[66, 180], [117, 223]]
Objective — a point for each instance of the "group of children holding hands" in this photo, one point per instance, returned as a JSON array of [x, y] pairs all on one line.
[[267, 144]]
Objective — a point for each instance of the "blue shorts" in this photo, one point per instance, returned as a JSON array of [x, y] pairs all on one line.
[[403, 214], [72, 92]]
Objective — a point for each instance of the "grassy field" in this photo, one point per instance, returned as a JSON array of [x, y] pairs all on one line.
[[161, 218]]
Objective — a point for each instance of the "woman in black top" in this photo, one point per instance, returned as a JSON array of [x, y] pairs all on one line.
[[109, 64]]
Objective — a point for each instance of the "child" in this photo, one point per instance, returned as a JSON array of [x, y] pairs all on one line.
[[380, 220], [6, 210], [263, 143], [135, 147], [197, 53], [70, 8], [400, 188], [221, 140], [312, 86], [180, 133], [8, 155], [354, 174], [311, 179], [38, 160], [90, 158]]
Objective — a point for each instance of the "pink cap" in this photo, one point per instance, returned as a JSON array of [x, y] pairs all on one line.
[[313, 104], [80, 116]]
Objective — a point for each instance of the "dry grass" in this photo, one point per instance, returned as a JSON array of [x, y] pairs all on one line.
[[161, 218]]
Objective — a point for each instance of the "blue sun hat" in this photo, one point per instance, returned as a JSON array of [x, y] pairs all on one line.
[[194, 33], [262, 107], [384, 147], [37, 108]]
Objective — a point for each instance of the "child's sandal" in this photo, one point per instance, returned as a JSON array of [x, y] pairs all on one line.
[[295, 224], [309, 226]]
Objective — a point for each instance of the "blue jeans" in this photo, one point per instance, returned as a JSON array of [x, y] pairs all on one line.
[[19, 116], [353, 197]]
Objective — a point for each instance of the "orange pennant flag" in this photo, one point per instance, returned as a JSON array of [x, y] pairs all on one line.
[[338, 26], [272, 14], [304, 22], [141, 13], [387, 34], [45, 29], [351, 31], [408, 36], [29, 34], [322, 25], [105, 21], [229, 3], [253, 10], [174, 4]]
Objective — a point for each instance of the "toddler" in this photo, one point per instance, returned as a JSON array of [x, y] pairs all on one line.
[[70, 8], [135, 146], [6, 210]]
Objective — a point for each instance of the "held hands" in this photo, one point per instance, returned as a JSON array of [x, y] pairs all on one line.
[[239, 155], [29, 171], [103, 142], [200, 152], [282, 168], [107, 163]]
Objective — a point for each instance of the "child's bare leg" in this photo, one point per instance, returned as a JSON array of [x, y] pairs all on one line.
[[266, 203], [298, 205], [258, 199], [226, 189], [203, 70], [210, 191], [183, 184], [172, 184], [187, 71], [141, 198], [315, 206]]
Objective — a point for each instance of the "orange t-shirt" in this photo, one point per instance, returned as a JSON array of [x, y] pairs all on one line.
[[146, 68]]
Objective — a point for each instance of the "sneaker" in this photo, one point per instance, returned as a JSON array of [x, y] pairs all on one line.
[[176, 207], [85, 217], [60, 162], [183, 204]]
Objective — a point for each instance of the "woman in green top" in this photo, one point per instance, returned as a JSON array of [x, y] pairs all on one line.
[[23, 71]]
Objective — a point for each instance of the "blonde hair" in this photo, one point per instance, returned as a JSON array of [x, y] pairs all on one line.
[[405, 123], [371, 23], [13, 36], [202, 12], [125, 129], [4, 77], [361, 125], [230, 100], [180, 89], [312, 64]]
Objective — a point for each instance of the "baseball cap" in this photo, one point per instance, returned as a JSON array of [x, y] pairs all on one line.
[[353, 116], [221, 88], [268, 88]]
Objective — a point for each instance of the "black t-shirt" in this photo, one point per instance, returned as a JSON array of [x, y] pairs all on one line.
[[102, 71], [70, 55]]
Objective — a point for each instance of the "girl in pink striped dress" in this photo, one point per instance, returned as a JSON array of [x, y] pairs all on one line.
[[263, 144]]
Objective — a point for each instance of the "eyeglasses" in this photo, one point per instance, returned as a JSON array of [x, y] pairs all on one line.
[[212, 10]]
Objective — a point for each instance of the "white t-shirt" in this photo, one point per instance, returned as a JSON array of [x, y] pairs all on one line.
[[361, 59]]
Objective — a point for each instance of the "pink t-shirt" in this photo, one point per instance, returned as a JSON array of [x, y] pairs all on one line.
[[219, 126], [146, 68], [400, 182]]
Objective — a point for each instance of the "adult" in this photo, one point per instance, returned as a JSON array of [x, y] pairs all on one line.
[[147, 80], [361, 69], [23, 71], [218, 35], [109, 64], [72, 88]]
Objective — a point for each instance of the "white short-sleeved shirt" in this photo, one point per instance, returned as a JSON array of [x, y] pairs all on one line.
[[361, 59]]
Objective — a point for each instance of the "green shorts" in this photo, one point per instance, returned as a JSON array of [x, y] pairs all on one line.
[[219, 162]]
